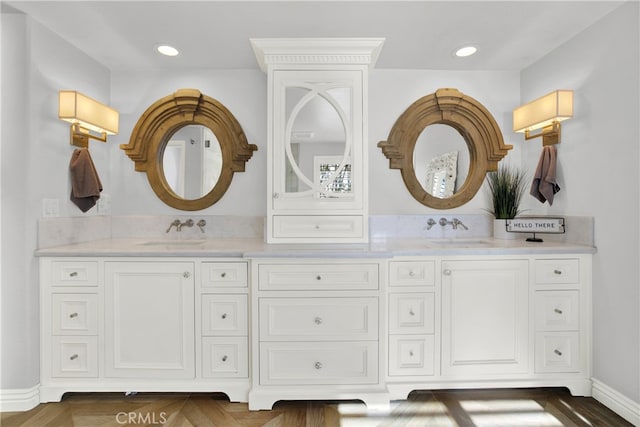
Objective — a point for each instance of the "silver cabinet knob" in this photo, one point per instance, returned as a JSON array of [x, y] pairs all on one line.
[[558, 272], [73, 274], [557, 352], [73, 357], [317, 365], [318, 320], [411, 312], [73, 315], [223, 274], [224, 358], [224, 315], [446, 272], [557, 310], [318, 277], [411, 273], [186, 275], [411, 353]]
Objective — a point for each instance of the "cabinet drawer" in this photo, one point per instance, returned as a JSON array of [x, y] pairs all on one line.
[[224, 315], [411, 355], [224, 274], [320, 226], [318, 276], [74, 314], [557, 352], [319, 319], [557, 310], [313, 363], [557, 271], [412, 313], [412, 273], [74, 356], [74, 273], [225, 357]]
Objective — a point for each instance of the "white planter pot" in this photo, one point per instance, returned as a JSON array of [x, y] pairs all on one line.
[[500, 230]]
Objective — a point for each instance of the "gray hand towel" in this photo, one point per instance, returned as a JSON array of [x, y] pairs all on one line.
[[85, 183], [544, 185]]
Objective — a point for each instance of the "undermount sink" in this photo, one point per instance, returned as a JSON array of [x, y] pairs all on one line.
[[462, 242], [172, 243]]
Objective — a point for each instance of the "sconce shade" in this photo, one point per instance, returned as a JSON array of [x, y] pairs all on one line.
[[544, 111], [87, 114]]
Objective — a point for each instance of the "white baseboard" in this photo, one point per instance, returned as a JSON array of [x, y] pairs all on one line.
[[19, 400], [617, 402]]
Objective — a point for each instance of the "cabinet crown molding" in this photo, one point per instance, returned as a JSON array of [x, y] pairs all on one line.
[[316, 51]]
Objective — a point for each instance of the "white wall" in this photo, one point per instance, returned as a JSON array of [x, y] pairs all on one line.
[[35, 158], [598, 172]]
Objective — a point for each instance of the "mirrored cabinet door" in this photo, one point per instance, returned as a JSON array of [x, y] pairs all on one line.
[[316, 140]]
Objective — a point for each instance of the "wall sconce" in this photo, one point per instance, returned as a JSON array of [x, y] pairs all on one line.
[[544, 113], [86, 115]]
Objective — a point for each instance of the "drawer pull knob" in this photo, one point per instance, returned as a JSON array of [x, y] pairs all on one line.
[[186, 275], [224, 358], [558, 272], [73, 274], [318, 320], [447, 272], [411, 313], [223, 275], [224, 315], [317, 227], [318, 277], [557, 310], [72, 315], [317, 365], [411, 353], [73, 357], [411, 273], [557, 352]]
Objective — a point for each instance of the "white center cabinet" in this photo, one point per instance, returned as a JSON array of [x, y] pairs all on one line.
[[317, 134], [317, 331], [144, 324]]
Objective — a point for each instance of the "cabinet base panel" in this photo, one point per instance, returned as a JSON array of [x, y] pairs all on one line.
[[236, 392], [400, 390], [265, 399]]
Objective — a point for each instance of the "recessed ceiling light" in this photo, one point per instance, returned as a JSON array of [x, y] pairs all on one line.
[[466, 51], [167, 50]]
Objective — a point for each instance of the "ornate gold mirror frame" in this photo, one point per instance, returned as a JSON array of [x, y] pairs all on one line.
[[474, 122], [167, 115]]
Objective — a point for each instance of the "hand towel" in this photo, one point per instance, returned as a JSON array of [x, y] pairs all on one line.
[[544, 185], [85, 183]]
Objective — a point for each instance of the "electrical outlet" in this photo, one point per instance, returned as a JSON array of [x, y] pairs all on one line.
[[50, 208]]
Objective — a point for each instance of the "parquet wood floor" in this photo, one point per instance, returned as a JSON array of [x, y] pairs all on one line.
[[468, 408]]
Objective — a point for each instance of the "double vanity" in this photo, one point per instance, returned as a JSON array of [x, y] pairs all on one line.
[[264, 322], [321, 302]]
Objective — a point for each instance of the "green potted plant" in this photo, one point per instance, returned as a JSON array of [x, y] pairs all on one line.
[[507, 185]]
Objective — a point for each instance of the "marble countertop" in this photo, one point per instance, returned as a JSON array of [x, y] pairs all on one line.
[[257, 248]]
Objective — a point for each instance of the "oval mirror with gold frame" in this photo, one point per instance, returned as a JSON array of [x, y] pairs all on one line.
[[467, 116], [167, 116]]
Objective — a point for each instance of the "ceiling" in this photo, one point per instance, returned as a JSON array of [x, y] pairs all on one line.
[[121, 35]]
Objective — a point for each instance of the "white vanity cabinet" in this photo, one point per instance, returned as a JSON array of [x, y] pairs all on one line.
[[317, 331], [317, 138], [499, 321], [144, 324]]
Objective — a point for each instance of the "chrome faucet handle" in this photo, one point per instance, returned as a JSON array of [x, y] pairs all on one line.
[[201, 224], [176, 224], [188, 223], [443, 222], [456, 222], [430, 223]]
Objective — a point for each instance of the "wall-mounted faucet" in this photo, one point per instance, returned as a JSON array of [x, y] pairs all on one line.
[[178, 225], [455, 223], [201, 224]]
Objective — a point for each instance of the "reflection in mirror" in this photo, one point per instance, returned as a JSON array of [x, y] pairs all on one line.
[[317, 149], [192, 161], [441, 160]]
